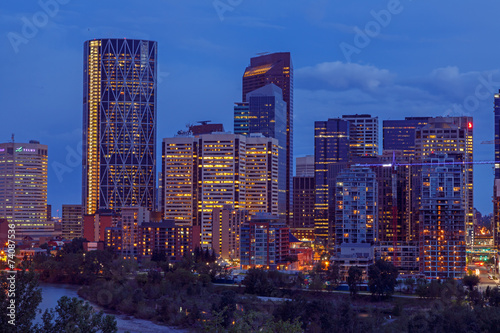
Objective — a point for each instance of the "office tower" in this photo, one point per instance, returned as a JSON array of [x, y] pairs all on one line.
[[356, 216], [400, 134], [442, 216], [226, 224], [275, 68], [72, 221], [212, 170], [119, 124], [205, 128], [331, 146], [23, 188], [303, 202], [267, 115], [241, 121], [363, 134], [304, 166], [451, 135], [264, 242], [496, 184]]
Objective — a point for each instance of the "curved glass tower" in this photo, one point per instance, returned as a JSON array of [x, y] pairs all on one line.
[[119, 124]]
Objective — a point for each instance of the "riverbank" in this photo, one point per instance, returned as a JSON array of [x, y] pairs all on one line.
[[51, 293]]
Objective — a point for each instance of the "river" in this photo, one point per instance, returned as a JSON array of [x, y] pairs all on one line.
[[52, 292]]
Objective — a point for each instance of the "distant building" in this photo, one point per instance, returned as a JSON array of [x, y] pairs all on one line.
[[442, 215], [496, 182], [72, 221], [226, 224], [331, 146], [356, 216], [451, 135], [23, 188], [304, 166], [363, 134], [400, 134], [119, 124], [94, 226], [212, 170], [304, 198], [241, 121], [264, 242], [276, 68], [132, 218]]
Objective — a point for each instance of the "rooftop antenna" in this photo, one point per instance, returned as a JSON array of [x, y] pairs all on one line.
[[12, 137], [262, 53]]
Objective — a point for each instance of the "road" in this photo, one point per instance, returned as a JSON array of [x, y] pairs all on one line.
[[484, 271]]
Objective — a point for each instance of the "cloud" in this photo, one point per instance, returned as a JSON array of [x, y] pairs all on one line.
[[343, 76]]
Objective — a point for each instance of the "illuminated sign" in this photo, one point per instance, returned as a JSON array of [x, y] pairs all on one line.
[[2, 149], [25, 150], [470, 125]]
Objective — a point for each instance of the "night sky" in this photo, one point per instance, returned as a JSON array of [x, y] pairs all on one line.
[[391, 59]]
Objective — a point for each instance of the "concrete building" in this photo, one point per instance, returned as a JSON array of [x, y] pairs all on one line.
[[226, 224], [23, 188], [72, 221], [442, 218]]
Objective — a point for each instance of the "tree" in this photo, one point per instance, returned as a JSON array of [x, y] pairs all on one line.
[[333, 274], [470, 281], [382, 277], [28, 296], [354, 278], [257, 282], [75, 315]]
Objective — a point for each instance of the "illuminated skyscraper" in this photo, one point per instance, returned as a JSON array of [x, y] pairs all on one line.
[[400, 134], [442, 215], [275, 68], [119, 124], [331, 146], [23, 188], [446, 135], [72, 221], [496, 184], [210, 171]]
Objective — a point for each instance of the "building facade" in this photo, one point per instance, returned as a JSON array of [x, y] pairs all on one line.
[[72, 221], [363, 134], [210, 171], [400, 134], [451, 135], [304, 198], [264, 242], [331, 146], [356, 215], [119, 124], [275, 68], [442, 215], [23, 188]]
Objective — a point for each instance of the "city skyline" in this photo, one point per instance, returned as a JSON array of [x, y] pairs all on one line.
[[368, 84]]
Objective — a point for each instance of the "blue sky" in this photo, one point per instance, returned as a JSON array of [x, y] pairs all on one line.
[[390, 59]]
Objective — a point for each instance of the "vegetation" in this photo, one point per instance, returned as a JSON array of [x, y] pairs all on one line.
[[354, 279], [382, 277]]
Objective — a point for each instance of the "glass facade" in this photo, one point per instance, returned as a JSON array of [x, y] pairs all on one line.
[[331, 145], [119, 124], [400, 134], [275, 68], [267, 115], [241, 118]]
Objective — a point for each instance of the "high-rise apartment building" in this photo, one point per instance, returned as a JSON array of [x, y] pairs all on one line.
[[331, 146], [226, 224], [72, 221], [451, 135], [275, 68], [23, 188], [119, 124], [363, 134], [212, 170], [442, 217], [400, 134], [356, 216], [496, 181]]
